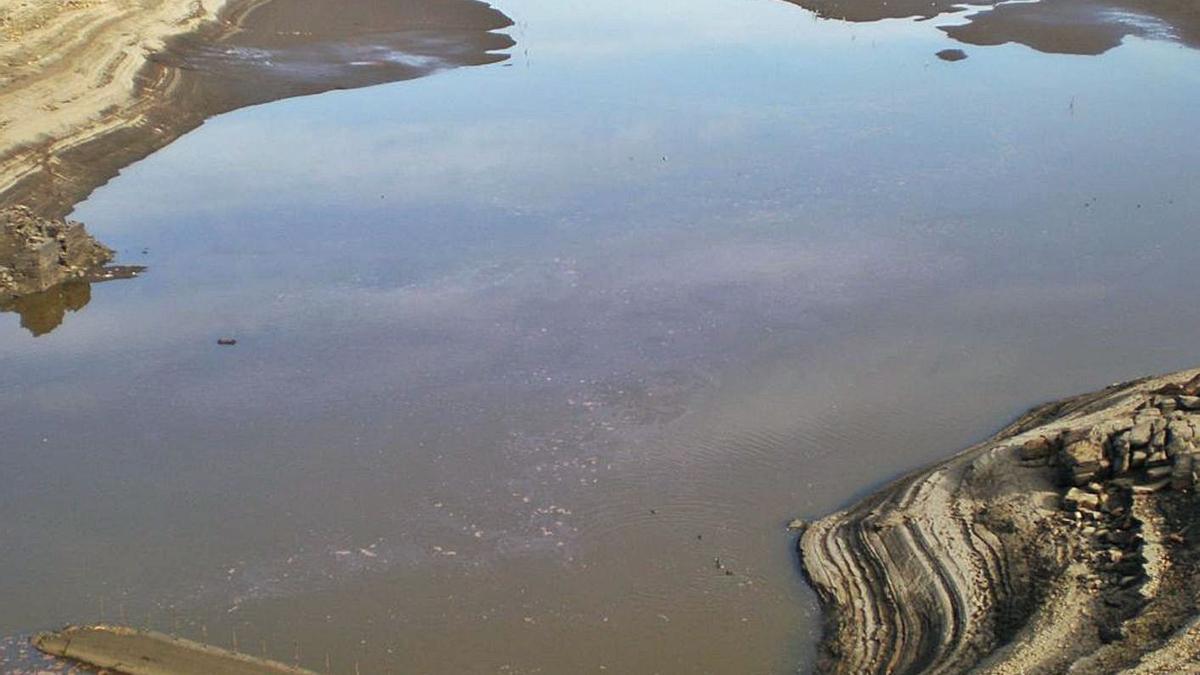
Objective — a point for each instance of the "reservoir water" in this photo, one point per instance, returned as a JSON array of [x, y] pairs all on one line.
[[536, 358]]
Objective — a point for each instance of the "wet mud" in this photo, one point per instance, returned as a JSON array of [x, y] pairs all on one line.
[[1086, 27]]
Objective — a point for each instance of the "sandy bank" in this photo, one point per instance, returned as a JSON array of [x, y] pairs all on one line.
[[71, 70], [97, 86], [1064, 543], [91, 87]]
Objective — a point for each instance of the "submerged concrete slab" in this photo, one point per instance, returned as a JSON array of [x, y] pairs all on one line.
[[143, 652]]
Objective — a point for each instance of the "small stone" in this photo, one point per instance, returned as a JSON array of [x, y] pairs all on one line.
[[1156, 472], [1076, 499], [1083, 455], [226, 342], [1165, 403], [1159, 440], [1140, 435], [1147, 488], [1179, 438], [1189, 402], [1119, 448]]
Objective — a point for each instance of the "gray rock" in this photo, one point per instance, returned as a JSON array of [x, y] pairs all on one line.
[[1140, 435], [1079, 500], [1119, 450], [1156, 472], [1165, 403], [1146, 488]]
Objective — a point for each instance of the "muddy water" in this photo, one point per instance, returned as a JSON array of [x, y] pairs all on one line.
[[530, 354]]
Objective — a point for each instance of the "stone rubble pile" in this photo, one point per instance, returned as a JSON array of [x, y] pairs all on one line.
[[37, 254], [1153, 449], [1105, 467]]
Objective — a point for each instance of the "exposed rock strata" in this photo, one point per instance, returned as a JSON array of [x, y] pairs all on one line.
[[1063, 544]]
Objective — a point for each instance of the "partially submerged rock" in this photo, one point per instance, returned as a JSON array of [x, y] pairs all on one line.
[[138, 652], [37, 254], [1063, 543]]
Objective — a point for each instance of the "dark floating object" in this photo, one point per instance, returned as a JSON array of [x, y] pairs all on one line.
[[226, 342], [952, 55]]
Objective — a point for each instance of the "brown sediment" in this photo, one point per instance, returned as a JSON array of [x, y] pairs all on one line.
[[142, 652], [1054, 26], [1081, 26], [1062, 543], [98, 112]]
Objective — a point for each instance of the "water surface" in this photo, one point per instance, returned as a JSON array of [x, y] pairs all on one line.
[[525, 349]]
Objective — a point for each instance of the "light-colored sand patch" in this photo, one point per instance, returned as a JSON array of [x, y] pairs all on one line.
[[69, 69]]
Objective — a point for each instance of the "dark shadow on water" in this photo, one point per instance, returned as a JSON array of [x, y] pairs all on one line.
[[1086, 27]]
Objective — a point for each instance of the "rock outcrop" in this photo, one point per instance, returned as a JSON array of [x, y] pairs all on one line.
[[37, 254], [1064, 543]]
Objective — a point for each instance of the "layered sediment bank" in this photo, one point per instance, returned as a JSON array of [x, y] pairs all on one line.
[[1063, 543], [93, 87], [72, 71]]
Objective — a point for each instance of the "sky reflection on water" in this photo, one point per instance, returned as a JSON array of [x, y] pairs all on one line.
[[728, 264]]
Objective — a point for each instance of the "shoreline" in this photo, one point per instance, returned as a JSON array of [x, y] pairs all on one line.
[[101, 86], [1059, 543], [75, 70], [79, 112], [144, 652]]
